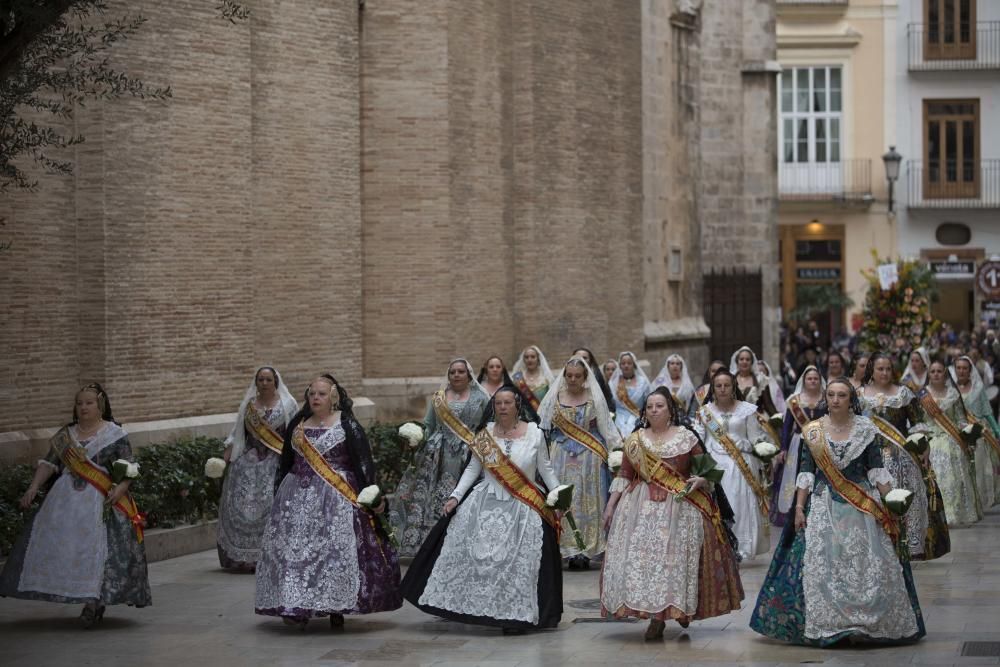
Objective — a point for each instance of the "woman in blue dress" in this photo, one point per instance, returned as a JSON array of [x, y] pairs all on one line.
[[630, 387]]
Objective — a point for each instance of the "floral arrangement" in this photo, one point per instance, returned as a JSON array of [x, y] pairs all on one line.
[[898, 501], [215, 468], [615, 460], [412, 433], [898, 319], [561, 499], [370, 498], [764, 450], [917, 443]]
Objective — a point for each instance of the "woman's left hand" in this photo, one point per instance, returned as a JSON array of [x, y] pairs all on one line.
[[117, 493], [695, 483]]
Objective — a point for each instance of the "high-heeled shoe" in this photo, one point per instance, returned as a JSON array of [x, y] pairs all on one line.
[[655, 630], [91, 615], [336, 621], [684, 621]]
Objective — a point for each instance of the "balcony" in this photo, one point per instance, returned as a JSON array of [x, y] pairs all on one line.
[[847, 181], [979, 186], [980, 48]]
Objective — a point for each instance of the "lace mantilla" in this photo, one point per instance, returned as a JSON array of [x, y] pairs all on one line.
[[741, 410], [844, 451], [880, 401], [680, 443]]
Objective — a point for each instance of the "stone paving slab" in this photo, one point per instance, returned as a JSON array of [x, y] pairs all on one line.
[[202, 615]]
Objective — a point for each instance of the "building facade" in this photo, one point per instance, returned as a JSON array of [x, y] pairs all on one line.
[[376, 189]]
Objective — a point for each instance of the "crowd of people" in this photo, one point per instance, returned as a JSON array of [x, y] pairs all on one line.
[[523, 473]]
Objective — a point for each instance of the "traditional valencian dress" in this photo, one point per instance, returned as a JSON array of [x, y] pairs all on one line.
[[532, 392], [987, 453], [429, 481], [926, 525], [797, 415], [764, 392], [322, 554], [71, 550], [951, 457], [841, 576], [729, 438], [668, 557], [629, 398], [580, 437], [256, 440], [495, 561]]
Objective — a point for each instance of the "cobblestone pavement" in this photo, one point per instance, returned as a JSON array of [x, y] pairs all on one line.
[[204, 616]]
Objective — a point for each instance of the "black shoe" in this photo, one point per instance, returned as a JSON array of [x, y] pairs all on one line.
[[336, 620], [91, 615], [514, 631]]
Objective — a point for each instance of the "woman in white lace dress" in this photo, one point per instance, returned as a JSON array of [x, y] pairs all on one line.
[[836, 573], [668, 555], [729, 428], [494, 557]]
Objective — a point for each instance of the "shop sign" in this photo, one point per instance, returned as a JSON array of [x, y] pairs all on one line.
[[964, 268], [988, 280], [991, 305], [830, 273]]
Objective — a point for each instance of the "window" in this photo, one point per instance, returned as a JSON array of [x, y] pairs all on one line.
[[951, 149], [951, 29], [811, 114]]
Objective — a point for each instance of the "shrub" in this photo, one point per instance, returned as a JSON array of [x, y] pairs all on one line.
[[391, 452]]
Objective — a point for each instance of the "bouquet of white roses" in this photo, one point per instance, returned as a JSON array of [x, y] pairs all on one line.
[[971, 434], [370, 498], [764, 450], [561, 499], [898, 501], [121, 470], [917, 443], [215, 468], [413, 433], [615, 459], [777, 421]]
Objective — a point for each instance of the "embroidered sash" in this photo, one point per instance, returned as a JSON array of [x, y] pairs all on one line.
[[654, 470], [511, 477], [579, 434], [526, 392], [621, 393], [893, 435], [765, 426], [322, 467], [76, 460], [798, 413], [677, 401], [448, 418], [931, 407], [720, 434], [258, 426], [700, 393], [816, 441]]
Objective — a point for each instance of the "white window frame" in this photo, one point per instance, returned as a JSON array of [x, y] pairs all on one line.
[[810, 116]]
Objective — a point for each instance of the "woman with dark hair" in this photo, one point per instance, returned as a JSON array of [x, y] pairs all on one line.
[[322, 553], [598, 372], [493, 375], [836, 366], [859, 366], [836, 573], [84, 543], [493, 559], [453, 413], [896, 412], [730, 427], [582, 435], [253, 449], [630, 386], [803, 406], [951, 457], [754, 386], [915, 374], [668, 555], [701, 393]]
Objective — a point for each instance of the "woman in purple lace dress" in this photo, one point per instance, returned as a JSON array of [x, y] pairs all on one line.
[[323, 555]]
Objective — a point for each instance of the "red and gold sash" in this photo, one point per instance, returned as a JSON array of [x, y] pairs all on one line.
[[765, 426], [322, 467], [720, 434], [261, 430], [511, 477], [893, 435], [448, 418], [678, 402], [654, 470], [816, 441], [798, 413], [931, 407], [76, 459], [526, 392], [701, 393], [621, 393], [579, 434]]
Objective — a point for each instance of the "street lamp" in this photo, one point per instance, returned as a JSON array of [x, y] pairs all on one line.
[[892, 159]]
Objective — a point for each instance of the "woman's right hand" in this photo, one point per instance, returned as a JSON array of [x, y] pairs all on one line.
[[28, 497], [800, 519], [226, 453], [450, 506], [609, 515]]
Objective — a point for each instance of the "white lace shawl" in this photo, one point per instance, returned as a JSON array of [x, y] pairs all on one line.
[[686, 390], [543, 365], [616, 377], [549, 405], [863, 431], [289, 406], [908, 372]]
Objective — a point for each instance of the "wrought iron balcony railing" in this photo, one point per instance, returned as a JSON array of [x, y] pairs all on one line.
[[952, 185], [960, 46], [847, 181]]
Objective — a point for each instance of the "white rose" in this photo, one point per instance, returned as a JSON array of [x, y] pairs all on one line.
[[214, 468], [615, 459], [778, 417], [132, 471], [368, 495], [764, 449], [898, 496], [553, 498], [412, 432], [969, 429]]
